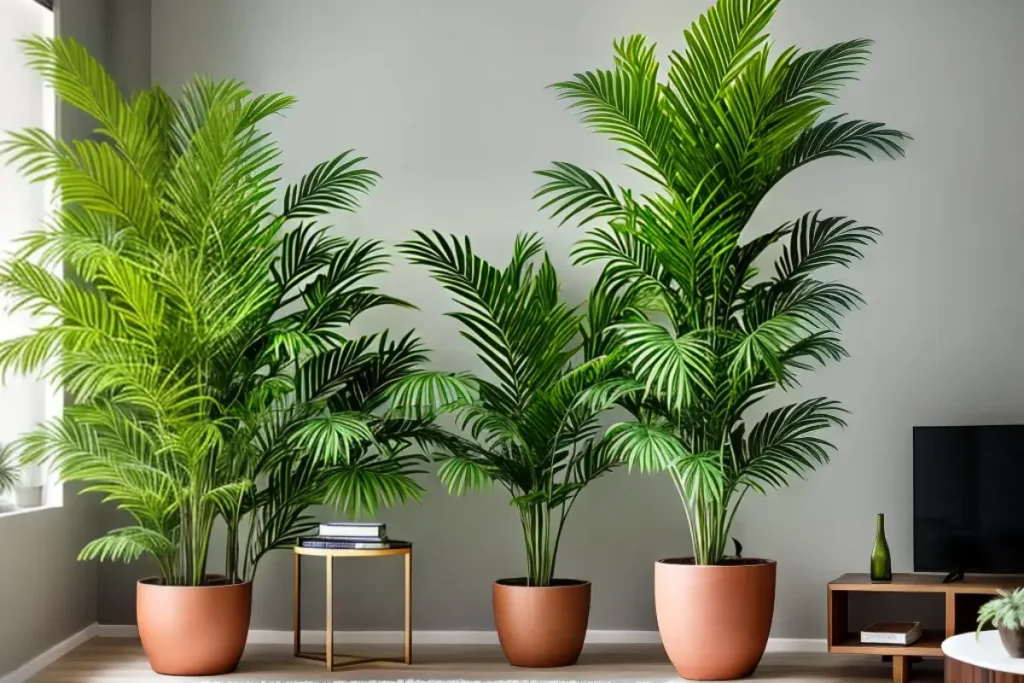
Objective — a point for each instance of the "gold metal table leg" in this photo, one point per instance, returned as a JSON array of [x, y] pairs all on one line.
[[330, 614], [297, 607], [408, 608]]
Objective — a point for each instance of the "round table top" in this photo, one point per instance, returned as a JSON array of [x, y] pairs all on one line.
[[985, 652]]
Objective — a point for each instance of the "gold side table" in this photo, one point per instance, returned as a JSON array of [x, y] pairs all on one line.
[[398, 548]]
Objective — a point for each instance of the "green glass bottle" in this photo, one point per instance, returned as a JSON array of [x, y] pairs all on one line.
[[881, 563]]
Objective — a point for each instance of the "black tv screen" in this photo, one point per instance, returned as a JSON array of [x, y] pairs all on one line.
[[968, 499]]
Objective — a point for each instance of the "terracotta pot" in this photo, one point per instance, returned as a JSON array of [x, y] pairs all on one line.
[[1013, 641], [714, 620], [541, 626], [193, 630]]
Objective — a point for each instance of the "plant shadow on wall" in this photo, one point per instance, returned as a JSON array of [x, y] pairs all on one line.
[[681, 300], [534, 426], [202, 333]]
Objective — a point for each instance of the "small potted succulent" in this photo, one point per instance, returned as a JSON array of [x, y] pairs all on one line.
[[1006, 613]]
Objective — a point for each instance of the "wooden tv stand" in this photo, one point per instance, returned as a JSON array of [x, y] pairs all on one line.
[[961, 604]]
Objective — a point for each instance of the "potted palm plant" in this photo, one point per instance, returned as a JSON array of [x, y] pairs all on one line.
[[731, 119], [202, 341], [533, 424]]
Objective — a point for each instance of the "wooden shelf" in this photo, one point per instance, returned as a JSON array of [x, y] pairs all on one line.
[[928, 645], [926, 583], [960, 599]]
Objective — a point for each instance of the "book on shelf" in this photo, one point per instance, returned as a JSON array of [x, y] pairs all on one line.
[[903, 633], [354, 529]]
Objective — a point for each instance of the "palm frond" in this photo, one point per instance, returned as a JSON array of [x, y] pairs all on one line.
[[333, 184], [365, 489], [128, 544], [817, 242], [842, 137], [674, 369], [431, 392], [576, 191], [783, 443], [649, 447], [461, 474]]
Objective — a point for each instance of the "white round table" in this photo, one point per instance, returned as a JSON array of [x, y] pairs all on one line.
[[970, 659]]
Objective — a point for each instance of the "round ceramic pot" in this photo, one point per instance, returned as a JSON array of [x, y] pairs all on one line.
[[1013, 641], [541, 626], [193, 630], [714, 620]]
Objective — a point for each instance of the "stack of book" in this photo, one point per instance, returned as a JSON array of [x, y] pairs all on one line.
[[348, 536]]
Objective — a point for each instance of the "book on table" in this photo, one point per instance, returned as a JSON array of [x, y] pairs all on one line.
[[368, 530], [334, 543], [901, 633]]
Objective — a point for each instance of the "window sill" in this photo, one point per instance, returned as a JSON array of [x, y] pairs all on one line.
[[19, 512]]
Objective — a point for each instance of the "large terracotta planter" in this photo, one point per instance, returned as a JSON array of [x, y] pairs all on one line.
[[538, 626], [714, 620], [193, 630]]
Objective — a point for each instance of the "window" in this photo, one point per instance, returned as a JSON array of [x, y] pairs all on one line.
[[27, 102]]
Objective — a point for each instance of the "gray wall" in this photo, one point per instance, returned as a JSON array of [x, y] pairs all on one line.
[[46, 595], [447, 98]]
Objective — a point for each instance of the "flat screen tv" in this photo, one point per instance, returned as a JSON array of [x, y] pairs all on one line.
[[968, 499]]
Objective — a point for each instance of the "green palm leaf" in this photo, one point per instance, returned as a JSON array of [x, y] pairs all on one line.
[[334, 184], [817, 242], [577, 191], [673, 369], [334, 437], [364, 490], [646, 446], [127, 544], [432, 392], [461, 475], [784, 443]]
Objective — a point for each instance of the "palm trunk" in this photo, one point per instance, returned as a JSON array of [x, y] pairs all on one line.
[[231, 551], [540, 563]]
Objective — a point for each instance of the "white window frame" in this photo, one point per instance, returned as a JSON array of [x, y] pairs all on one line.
[[53, 398]]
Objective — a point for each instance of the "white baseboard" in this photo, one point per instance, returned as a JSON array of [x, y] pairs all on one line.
[[40, 662], [420, 637], [797, 645]]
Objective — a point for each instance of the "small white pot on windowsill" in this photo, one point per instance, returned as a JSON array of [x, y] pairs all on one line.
[[28, 492]]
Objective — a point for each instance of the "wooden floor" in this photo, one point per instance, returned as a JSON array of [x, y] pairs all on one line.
[[118, 660]]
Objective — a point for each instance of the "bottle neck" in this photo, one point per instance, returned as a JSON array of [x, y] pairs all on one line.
[[880, 524]]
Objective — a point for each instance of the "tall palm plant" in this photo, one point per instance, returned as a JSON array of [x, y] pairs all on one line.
[[681, 295], [533, 424], [201, 327]]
